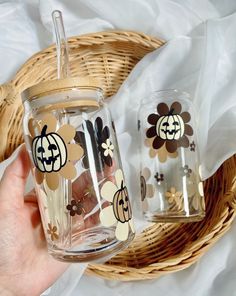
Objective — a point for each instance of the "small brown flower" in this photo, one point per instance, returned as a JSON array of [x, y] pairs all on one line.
[[159, 177], [192, 146], [52, 231], [185, 171], [75, 208]]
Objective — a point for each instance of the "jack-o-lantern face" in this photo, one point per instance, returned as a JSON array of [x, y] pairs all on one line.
[[121, 205], [170, 127], [49, 151]]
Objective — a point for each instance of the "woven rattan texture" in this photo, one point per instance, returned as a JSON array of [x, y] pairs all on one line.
[[161, 248]]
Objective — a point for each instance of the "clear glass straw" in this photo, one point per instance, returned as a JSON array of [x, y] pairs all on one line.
[[61, 45]]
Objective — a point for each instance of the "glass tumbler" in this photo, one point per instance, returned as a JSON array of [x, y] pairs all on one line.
[[171, 188], [82, 195]]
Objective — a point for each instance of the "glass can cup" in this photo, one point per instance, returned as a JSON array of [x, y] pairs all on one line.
[[83, 199], [171, 187]]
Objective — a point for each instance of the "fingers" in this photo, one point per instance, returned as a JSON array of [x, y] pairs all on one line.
[[14, 179]]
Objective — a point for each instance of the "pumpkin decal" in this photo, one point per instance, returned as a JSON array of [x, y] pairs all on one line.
[[119, 211], [52, 153], [121, 205], [49, 151], [169, 128]]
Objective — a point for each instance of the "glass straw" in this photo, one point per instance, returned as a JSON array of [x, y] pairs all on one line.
[[61, 45]]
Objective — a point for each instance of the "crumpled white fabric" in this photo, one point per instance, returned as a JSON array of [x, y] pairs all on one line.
[[198, 58]]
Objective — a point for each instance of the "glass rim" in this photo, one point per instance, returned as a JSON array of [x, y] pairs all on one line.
[[164, 92]]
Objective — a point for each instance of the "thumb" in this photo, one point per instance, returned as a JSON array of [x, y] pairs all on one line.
[[13, 182]]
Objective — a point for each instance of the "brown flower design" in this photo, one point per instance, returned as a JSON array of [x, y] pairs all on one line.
[[185, 171], [147, 190], [52, 231], [161, 153], [52, 152], [169, 127], [75, 208]]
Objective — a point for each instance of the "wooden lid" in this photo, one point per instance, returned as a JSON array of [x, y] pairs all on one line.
[[59, 85]]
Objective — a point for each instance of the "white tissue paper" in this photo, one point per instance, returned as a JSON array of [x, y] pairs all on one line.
[[199, 58]]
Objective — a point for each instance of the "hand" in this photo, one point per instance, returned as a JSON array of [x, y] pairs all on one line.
[[26, 268]]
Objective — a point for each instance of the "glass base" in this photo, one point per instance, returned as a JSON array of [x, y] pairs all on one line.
[[97, 245], [173, 217]]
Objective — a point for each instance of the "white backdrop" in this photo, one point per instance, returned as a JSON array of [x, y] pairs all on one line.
[[199, 58]]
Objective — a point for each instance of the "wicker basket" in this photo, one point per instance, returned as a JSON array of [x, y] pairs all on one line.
[[161, 248]]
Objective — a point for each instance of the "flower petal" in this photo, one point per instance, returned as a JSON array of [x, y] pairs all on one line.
[[171, 146], [122, 231], [107, 216], [75, 152], [188, 130], [104, 146], [183, 142], [157, 143], [162, 154], [153, 118], [150, 190], [162, 109], [52, 180], [108, 191], [151, 132], [50, 121], [131, 224], [110, 153], [185, 116], [33, 127], [146, 173], [119, 178], [68, 171], [106, 152], [176, 106], [38, 176], [67, 132]]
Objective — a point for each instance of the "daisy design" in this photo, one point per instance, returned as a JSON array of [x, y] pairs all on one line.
[[174, 198], [102, 146], [119, 211], [108, 148], [169, 126], [52, 152], [52, 231], [105, 145]]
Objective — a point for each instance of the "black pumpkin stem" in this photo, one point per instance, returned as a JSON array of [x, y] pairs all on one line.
[[43, 132], [171, 111], [122, 185]]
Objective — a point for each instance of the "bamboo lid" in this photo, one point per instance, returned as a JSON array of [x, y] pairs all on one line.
[[59, 85]]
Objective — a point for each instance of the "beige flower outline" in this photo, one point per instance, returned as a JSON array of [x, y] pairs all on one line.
[[119, 211]]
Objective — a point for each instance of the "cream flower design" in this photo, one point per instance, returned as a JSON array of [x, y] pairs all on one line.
[[108, 148], [174, 198], [119, 211]]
